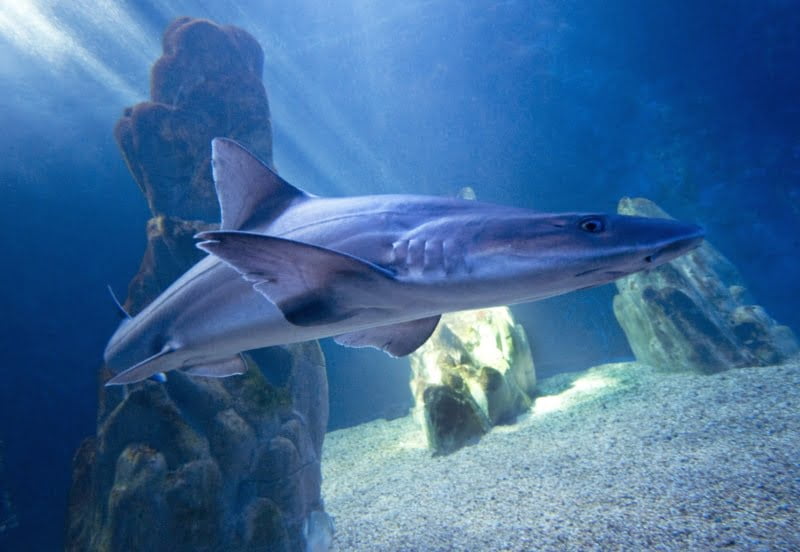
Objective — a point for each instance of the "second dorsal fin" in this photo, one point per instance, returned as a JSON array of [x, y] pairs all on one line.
[[248, 191]]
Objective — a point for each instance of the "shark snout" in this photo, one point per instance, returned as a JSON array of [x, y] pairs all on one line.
[[684, 242]]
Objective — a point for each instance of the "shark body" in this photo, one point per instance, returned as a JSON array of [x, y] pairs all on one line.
[[375, 271]]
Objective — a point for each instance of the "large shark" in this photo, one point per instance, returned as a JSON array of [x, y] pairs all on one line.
[[287, 266]]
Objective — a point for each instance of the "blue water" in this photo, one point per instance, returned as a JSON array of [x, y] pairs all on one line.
[[548, 104]]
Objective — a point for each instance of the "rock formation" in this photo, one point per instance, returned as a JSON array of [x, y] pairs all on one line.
[[474, 372], [197, 463], [207, 83], [205, 464], [695, 313]]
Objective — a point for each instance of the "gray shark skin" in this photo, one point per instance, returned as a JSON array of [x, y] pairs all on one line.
[[375, 271]]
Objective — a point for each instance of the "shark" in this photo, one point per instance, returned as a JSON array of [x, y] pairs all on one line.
[[377, 271]]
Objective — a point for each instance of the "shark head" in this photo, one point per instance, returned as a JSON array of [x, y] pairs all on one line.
[[618, 245], [558, 253]]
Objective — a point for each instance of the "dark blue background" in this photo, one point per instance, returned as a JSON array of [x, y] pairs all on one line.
[[552, 105]]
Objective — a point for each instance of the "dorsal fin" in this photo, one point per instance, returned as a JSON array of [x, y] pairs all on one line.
[[248, 191]]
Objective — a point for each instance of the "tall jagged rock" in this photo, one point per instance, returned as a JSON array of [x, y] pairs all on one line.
[[207, 83], [197, 463], [474, 372], [695, 313]]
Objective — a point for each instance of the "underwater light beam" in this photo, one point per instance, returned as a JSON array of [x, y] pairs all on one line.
[[35, 30], [296, 96], [583, 388]]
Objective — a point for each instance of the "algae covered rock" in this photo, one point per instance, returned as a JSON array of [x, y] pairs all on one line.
[[695, 313], [207, 83], [190, 464], [200, 464], [474, 372], [452, 418]]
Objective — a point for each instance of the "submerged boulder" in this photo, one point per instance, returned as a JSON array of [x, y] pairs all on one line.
[[695, 313], [475, 371], [199, 463]]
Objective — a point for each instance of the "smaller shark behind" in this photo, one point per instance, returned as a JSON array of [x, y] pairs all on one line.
[[377, 271]]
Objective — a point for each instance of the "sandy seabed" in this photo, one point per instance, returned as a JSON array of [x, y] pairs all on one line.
[[620, 457]]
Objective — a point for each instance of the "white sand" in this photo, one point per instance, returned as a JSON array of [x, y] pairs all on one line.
[[627, 459]]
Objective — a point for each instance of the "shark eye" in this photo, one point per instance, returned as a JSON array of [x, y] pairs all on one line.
[[592, 224]]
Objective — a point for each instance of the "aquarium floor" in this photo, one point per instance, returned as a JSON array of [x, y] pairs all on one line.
[[622, 458]]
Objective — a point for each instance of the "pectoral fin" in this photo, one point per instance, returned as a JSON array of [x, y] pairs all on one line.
[[219, 369], [396, 339], [311, 285], [159, 362]]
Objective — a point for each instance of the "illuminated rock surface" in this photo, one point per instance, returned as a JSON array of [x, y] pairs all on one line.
[[616, 458], [199, 464], [695, 312], [474, 372]]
